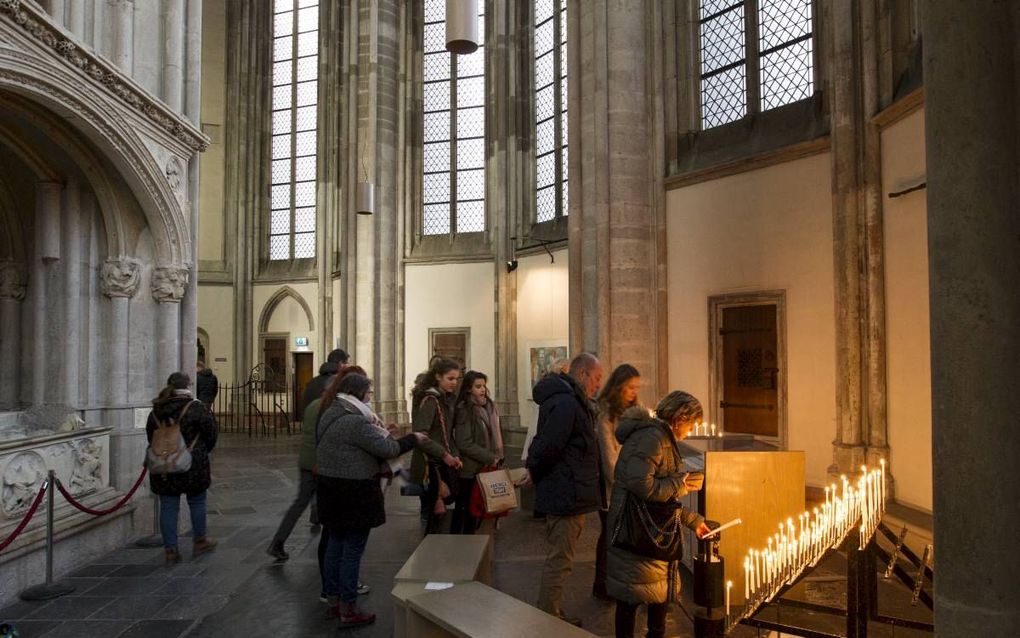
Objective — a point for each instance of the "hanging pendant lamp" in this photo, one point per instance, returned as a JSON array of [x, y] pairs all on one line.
[[365, 198], [462, 26]]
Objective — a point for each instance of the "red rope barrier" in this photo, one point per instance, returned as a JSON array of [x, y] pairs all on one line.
[[24, 521], [89, 510]]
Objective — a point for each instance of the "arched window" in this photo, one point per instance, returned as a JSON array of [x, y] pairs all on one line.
[[454, 131], [550, 49], [294, 154], [756, 55]]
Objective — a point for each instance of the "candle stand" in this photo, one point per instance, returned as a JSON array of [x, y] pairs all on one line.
[[709, 588], [861, 589]]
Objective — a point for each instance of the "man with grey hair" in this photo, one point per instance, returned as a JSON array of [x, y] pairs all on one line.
[[563, 463]]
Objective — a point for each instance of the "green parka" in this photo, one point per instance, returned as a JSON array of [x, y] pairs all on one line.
[[650, 468]]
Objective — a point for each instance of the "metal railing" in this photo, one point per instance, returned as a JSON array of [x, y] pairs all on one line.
[[260, 406]]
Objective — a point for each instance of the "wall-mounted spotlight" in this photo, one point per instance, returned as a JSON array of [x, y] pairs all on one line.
[[511, 265]]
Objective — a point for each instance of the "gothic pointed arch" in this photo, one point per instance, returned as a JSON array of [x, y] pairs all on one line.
[[274, 301]]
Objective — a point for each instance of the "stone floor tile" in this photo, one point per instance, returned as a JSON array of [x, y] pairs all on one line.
[[134, 571], [70, 607], [193, 607], [21, 609], [96, 570], [32, 628], [88, 629], [157, 629], [132, 608], [126, 587]]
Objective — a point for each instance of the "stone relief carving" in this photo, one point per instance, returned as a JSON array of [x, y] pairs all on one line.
[[168, 283], [23, 474], [35, 22], [119, 277], [13, 277], [88, 466], [174, 173]]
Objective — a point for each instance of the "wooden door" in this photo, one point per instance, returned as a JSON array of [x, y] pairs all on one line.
[[274, 355], [303, 373], [750, 397], [451, 344]]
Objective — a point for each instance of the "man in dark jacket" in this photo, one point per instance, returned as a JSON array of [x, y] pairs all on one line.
[[336, 359], [207, 386], [563, 463]]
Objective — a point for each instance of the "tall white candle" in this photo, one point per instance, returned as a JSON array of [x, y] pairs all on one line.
[[729, 585]]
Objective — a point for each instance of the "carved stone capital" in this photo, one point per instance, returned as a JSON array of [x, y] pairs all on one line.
[[13, 278], [119, 277], [168, 283]]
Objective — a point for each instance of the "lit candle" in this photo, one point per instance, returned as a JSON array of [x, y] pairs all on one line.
[[729, 585], [882, 463], [713, 434], [747, 579]]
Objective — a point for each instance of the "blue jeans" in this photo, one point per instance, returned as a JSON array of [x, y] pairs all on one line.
[[343, 562], [170, 507]]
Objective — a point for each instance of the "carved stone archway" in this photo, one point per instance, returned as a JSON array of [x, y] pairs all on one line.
[[274, 301]]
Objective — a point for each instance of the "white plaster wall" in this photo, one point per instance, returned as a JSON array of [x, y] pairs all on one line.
[[288, 316], [449, 296], [767, 229], [906, 291], [216, 317], [543, 290], [214, 59]]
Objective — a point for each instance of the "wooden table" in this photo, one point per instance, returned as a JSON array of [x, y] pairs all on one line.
[[474, 610]]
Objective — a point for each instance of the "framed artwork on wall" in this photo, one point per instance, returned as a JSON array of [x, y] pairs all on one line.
[[542, 360]]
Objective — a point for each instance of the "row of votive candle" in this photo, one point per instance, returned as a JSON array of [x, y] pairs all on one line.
[[796, 546], [706, 429]]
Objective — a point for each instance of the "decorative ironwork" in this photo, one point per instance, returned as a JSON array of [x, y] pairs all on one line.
[[259, 406], [295, 144], [453, 187]]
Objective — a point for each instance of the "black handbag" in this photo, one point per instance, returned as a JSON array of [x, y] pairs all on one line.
[[652, 530]]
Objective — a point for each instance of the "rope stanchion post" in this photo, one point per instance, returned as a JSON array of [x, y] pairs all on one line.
[[50, 589]]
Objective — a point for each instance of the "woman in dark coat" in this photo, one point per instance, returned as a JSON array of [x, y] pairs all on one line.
[[351, 447], [479, 442], [175, 402], [433, 464], [650, 468]]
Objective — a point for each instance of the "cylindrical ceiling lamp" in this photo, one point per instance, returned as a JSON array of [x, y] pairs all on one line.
[[365, 199], [462, 26]]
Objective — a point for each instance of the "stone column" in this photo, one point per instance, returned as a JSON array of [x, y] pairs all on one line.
[[173, 54], [972, 138], [192, 105], [168, 286], [123, 20], [47, 251], [378, 249], [76, 20], [12, 292], [614, 175], [70, 365], [844, 90], [118, 280]]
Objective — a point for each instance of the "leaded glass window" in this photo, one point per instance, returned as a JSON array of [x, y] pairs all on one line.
[[453, 188], [550, 49], [756, 55], [294, 145]]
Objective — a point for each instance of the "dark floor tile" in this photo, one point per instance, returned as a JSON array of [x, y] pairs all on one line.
[[97, 570], [21, 609], [82, 586], [134, 571], [157, 629], [88, 629], [192, 607], [33, 628], [184, 586], [126, 587], [232, 511], [132, 608], [70, 607]]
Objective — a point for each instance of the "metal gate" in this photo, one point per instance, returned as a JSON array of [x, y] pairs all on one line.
[[260, 406]]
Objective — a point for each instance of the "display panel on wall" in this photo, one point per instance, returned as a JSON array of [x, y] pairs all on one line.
[[543, 359], [451, 343]]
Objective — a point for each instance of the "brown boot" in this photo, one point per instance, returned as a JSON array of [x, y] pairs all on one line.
[[172, 556], [352, 616], [202, 545]]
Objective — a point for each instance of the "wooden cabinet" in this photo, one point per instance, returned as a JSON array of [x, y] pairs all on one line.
[[748, 480]]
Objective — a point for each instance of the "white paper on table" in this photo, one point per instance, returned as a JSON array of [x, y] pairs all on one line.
[[435, 586]]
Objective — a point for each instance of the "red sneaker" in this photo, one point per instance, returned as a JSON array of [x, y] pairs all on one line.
[[352, 616]]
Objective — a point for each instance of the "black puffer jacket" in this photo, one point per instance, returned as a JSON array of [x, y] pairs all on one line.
[[564, 456], [318, 385], [198, 422], [207, 386]]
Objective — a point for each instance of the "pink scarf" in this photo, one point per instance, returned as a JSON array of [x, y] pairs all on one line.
[[490, 417]]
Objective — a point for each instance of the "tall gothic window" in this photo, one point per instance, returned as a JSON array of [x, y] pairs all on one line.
[[295, 96], [550, 40], [756, 55], [454, 127]]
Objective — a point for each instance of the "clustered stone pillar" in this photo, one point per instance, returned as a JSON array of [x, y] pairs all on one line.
[[613, 176], [119, 278], [168, 285], [12, 292], [70, 363], [972, 141], [47, 251], [124, 34]]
